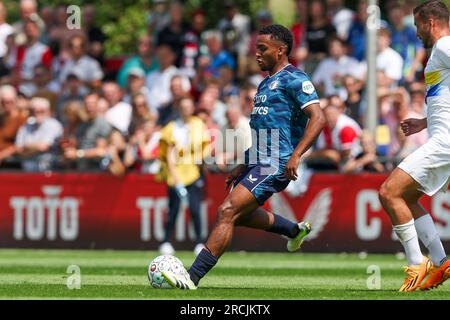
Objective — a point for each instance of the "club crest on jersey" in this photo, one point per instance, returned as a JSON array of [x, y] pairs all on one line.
[[273, 85], [307, 87]]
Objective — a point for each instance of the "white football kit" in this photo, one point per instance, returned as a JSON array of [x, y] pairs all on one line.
[[429, 165]]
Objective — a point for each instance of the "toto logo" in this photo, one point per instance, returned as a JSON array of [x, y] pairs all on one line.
[[36, 218]]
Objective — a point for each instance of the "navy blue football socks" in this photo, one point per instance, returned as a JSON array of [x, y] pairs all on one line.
[[204, 262], [284, 227]]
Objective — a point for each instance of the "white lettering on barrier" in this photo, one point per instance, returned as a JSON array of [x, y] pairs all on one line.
[[38, 216], [153, 217], [367, 230], [440, 207], [371, 230]]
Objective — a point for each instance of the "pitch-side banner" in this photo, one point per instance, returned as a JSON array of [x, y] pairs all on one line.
[[101, 211]]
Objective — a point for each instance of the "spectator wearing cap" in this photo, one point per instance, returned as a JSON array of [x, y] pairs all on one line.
[[144, 59], [23, 59], [87, 69], [11, 119], [90, 145], [135, 86], [119, 112], [158, 82], [37, 140]]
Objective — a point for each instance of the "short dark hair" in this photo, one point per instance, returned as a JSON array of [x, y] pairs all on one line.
[[432, 9], [280, 33]]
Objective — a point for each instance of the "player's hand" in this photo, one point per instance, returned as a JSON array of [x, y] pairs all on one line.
[[411, 126], [291, 168], [233, 175]]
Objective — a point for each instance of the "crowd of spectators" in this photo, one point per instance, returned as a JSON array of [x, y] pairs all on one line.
[[61, 108]]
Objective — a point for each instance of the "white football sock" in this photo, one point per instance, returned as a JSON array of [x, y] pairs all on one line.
[[426, 230], [407, 235]]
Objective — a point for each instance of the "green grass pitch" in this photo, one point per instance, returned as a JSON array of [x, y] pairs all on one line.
[[41, 274]]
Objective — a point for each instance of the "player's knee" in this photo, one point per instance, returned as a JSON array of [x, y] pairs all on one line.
[[386, 193], [225, 213], [383, 193]]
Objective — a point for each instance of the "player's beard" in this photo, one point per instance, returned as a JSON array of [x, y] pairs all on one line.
[[427, 43], [266, 65]]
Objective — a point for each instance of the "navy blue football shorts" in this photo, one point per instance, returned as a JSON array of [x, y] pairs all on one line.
[[263, 180]]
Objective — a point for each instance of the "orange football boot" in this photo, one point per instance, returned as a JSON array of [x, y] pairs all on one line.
[[415, 275], [436, 276]]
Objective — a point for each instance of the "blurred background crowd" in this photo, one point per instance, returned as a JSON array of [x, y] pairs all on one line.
[[66, 104]]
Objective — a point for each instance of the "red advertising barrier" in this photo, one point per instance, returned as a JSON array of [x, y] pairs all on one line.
[[101, 211]]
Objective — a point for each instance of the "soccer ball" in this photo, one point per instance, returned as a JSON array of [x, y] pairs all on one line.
[[164, 263]]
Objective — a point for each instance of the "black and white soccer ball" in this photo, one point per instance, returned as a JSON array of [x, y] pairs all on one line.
[[164, 263]]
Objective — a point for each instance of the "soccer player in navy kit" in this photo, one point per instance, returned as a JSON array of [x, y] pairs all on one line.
[[286, 120]]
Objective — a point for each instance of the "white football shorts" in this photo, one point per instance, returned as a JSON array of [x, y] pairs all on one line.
[[429, 165]]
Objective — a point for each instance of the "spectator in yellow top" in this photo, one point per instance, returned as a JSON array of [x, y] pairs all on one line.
[[183, 145]]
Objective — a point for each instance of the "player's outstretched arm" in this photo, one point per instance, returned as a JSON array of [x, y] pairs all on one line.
[[411, 126], [313, 128]]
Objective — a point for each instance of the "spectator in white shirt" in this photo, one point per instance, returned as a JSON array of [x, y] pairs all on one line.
[[23, 59], [158, 82], [330, 72], [341, 17], [5, 30], [37, 138], [28, 10], [119, 112], [389, 62], [87, 68]]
